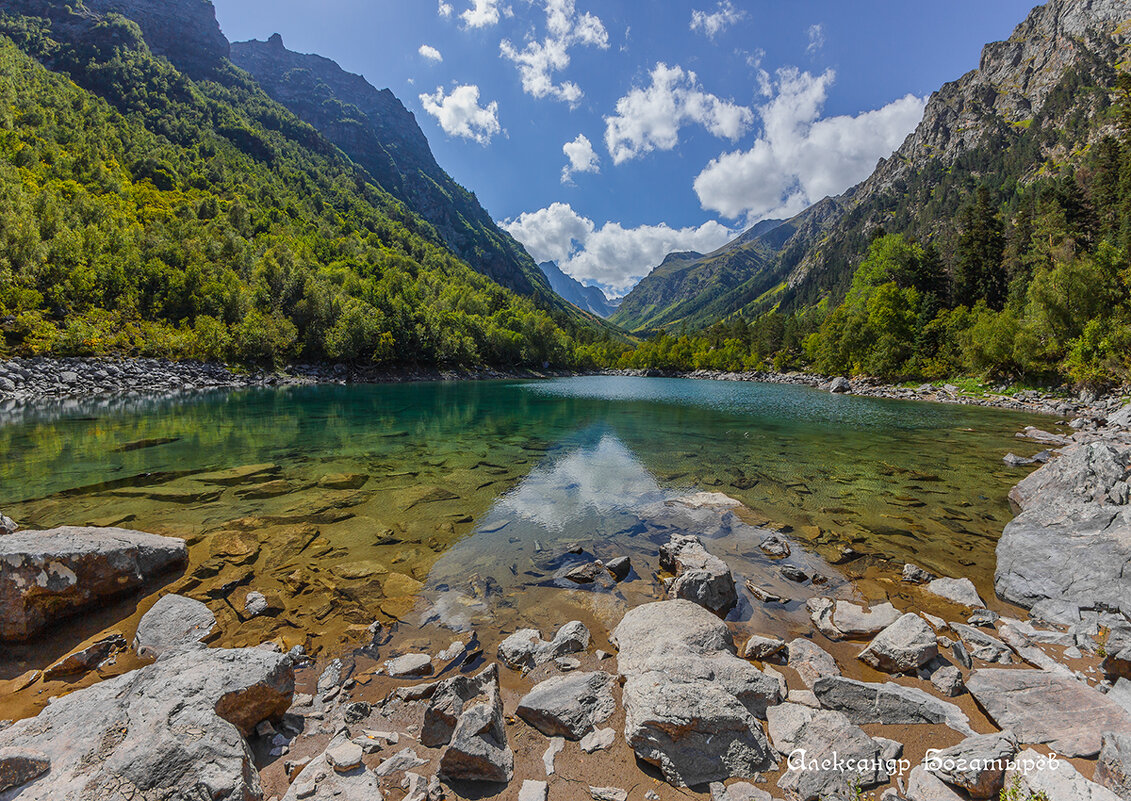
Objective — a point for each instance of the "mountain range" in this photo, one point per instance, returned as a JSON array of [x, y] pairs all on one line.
[[588, 298], [1026, 110]]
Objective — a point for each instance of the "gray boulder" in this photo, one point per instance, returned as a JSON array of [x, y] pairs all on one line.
[[1072, 538], [981, 645], [922, 785], [322, 779], [1044, 708], [1034, 774], [174, 729], [760, 648], [784, 723], [690, 703], [526, 649], [7, 525], [569, 706], [856, 621], [447, 701], [811, 661], [959, 591], [948, 681], [825, 736], [840, 385], [700, 576], [905, 645], [173, 622], [888, 703], [913, 574], [1113, 770], [477, 750], [976, 765], [47, 575]]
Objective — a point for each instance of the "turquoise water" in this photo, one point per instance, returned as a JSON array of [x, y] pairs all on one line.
[[351, 502]]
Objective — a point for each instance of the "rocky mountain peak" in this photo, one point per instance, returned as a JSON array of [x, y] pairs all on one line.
[[184, 31]]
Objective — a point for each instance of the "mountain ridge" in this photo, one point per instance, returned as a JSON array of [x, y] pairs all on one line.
[[586, 298]]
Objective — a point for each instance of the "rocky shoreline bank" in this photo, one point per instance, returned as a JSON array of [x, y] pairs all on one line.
[[69, 379]]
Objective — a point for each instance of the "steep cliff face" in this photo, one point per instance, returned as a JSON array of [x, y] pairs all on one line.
[[375, 130], [184, 31], [586, 298]]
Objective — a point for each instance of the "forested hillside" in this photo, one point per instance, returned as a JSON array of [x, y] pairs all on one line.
[[995, 243], [144, 212]]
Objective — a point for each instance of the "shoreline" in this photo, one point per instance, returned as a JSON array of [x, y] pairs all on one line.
[[41, 378]]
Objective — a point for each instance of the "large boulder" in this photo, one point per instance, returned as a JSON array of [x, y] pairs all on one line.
[[1045, 708], [174, 729], [829, 736], [959, 591], [856, 621], [526, 649], [811, 661], [1072, 538], [888, 703], [700, 576], [477, 749], [47, 575], [1113, 770], [976, 765], [905, 645], [691, 705], [569, 706], [1038, 775], [173, 622]]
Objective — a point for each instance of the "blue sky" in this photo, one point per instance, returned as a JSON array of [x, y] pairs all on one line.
[[606, 134]]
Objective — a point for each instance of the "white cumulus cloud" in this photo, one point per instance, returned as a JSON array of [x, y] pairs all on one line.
[[445, 9], [582, 158], [799, 157], [460, 114], [482, 14], [430, 53], [650, 118], [539, 59], [611, 256], [717, 21]]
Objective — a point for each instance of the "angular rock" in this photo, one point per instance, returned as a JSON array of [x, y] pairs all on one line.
[[1117, 665], [888, 703], [608, 794], [409, 666], [87, 659], [1113, 770], [526, 649], [983, 646], [840, 385], [552, 751], [775, 546], [173, 622], [922, 785], [477, 750], [700, 576], [1034, 774], [48, 575], [320, 781], [784, 723], [7, 525], [913, 574], [855, 621], [405, 759], [569, 706], [598, 740], [690, 702], [1072, 539], [533, 791], [760, 648], [739, 791], [821, 613], [958, 591], [447, 701], [1056, 612], [948, 681], [1044, 708], [905, 645], [811, 661], [826, 735], [344, 756], [619, 568], [976, 765], [174, 729]]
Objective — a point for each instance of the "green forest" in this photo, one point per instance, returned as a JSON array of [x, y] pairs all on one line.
[[142, 213]]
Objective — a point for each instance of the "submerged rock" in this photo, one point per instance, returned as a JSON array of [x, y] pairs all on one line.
[[174, 729], [47, 575], [1044, 708], [700, 576], [173, 622], [690, 702], [7, 525], [856, 621], [88, 658]]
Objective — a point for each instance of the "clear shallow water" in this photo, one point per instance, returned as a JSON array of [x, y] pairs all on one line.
[[451, 502]]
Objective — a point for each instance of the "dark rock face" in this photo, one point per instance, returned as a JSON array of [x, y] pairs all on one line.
[[375, 130], [47, 575], [184, 31]]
